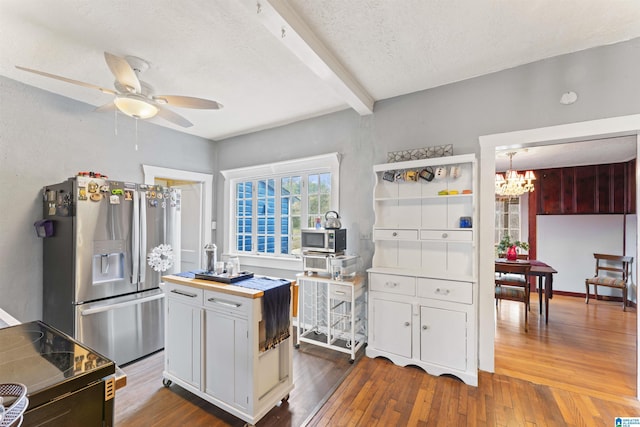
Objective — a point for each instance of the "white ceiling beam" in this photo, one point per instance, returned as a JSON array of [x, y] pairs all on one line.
[[285, 24]]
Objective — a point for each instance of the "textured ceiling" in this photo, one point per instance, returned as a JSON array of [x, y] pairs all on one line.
[[582, 153], [235, 51]]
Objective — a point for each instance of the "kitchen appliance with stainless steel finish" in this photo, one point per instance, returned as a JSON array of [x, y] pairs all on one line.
[[318, 262], [111, 242], [67, 383], [323, 240]]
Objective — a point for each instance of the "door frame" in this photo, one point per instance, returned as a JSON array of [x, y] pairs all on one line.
[[560, 134], [153, 172]]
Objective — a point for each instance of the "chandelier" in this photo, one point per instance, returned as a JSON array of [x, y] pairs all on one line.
[[513, 183]]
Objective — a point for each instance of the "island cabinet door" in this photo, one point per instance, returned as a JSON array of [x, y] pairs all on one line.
[[182, 349], [227, 358]]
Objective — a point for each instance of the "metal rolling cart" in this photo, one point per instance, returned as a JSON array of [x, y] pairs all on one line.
[[332, 313]]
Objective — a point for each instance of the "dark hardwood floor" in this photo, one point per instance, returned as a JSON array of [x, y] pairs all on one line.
[[145, 401], [578, 370]]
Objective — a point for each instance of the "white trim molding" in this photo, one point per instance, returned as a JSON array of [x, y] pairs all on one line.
[[153, 172], [571, 132], [307, 165]]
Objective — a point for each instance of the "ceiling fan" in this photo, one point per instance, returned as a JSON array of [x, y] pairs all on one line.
[[134, 97]]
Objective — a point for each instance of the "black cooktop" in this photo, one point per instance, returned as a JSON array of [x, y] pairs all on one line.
[[49, 362]]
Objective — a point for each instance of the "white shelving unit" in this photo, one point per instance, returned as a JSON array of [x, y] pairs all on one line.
[[423, 281], [332, 313]]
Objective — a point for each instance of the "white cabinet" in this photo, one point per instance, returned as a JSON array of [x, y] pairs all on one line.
[[227, 345], [423, 280], [332, 313], [391, 326], [212, 348], [184, 333], [443, 338]]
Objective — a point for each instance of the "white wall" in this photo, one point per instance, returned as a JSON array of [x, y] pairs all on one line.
[[568, 242], [632, 250]]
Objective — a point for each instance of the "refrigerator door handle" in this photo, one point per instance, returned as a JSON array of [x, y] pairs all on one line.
[[109, 307], [135, 240], [143, 236]]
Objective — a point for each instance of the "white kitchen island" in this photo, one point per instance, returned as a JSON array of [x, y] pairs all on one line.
[[213, 337]]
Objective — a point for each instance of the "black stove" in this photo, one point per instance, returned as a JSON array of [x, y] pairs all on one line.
[[51, 365]]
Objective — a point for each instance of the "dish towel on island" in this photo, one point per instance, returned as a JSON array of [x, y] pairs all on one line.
[[276, 305]]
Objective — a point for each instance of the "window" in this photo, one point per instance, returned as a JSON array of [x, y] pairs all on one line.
[[507, 218], [270, 204]]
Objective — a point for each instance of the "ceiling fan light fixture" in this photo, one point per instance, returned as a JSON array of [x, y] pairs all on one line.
[[135, 106]]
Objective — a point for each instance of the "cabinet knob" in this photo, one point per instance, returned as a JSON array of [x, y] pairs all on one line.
[[395, 234], [445, 235], [425, 327], [441, 291], [391, 284], [407, 324]]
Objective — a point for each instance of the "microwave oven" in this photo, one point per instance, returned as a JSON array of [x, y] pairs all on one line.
[[323, 240]]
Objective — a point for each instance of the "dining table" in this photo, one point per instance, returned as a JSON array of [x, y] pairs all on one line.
[[544, 272]]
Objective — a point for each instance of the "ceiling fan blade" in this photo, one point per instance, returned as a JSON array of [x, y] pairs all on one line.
[[172, 117], [106, 107], [123, 72], [65, 79], [187, 102]]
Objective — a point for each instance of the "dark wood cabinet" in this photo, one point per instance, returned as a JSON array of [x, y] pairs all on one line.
[[630, 188], [549, 190], [585, 189], [594, 189], [568, 180]]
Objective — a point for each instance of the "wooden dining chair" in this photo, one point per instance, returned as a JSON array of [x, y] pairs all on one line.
[[511, 284], [612, 271]]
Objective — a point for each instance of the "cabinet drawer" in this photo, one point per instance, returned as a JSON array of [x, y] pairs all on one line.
[[341, 292], [457, 235], [186, 294], [405, 285], [445, 290], [230, 304], [395, 234]]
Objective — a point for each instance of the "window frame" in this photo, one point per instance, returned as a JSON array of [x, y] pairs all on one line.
[[522, 204], [305, 166]]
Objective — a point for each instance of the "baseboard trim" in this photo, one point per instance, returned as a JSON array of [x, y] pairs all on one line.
[[592, 296]]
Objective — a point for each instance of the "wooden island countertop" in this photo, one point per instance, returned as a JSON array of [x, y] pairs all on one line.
[[227, 288]]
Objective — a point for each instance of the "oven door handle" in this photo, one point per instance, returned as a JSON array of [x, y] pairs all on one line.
[[108, 307]]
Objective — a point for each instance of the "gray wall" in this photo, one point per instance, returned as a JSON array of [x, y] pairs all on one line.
[[606, 80], [44, 139]]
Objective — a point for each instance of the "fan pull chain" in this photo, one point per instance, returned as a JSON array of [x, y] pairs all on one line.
[[136, 134], [115, 122]]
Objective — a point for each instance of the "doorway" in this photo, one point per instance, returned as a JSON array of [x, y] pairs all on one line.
[[618, 126], [196, 208]]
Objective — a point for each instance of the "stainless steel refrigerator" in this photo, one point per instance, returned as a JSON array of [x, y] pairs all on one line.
[[109, 245]]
